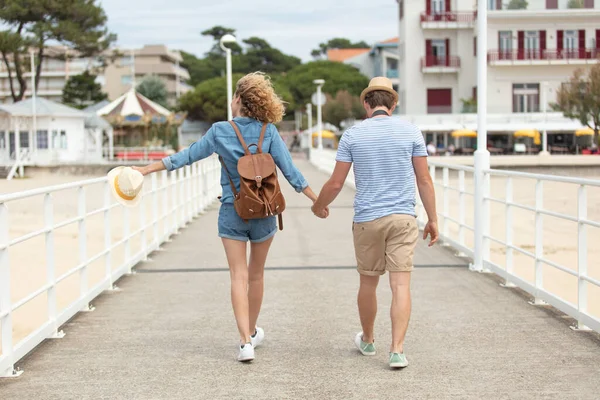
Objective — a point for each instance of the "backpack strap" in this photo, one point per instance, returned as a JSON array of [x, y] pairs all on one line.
[[280, 217], [262, 137], [240, 137], [233, 189]]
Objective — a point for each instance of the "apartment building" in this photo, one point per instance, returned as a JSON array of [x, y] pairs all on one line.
[[533, 46], [135, 64], [115, 79]]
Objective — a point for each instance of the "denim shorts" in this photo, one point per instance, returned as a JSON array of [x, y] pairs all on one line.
[[231, 226]]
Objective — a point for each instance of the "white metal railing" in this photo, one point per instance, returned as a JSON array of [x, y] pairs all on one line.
[[136, 154], [182, 195], [455, 199]]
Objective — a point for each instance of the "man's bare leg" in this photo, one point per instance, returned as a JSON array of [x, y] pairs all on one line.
[[400, 310], [367, 305]]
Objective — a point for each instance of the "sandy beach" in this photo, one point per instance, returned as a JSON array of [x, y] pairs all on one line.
[[28, 260]]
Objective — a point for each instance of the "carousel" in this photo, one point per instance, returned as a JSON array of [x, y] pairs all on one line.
[[138, 121]]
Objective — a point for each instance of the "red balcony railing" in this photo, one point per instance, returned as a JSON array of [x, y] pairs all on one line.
[[450, 16], [563, 54], [437, 61]]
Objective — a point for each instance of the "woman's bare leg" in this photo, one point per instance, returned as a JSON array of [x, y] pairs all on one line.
[[238, 269], [256, 269]]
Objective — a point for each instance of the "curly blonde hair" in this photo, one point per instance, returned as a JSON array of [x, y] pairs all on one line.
[[259, 100]]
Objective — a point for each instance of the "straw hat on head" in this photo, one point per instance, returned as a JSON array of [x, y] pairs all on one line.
[[126, 185], [379, 83]]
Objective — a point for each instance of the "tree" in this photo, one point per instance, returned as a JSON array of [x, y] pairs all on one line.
[[208, 101], [78, 24], [154, 89], [344, 106], [260, 56], [217, 32], [517, 5], [469, 105], [337, 43], [575, 4], [338, 76], [82, 90], [578, 98]]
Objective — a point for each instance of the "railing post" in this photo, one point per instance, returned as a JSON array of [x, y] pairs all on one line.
[[174, 196], [508, 221], [127, 237], [144, 226], [5, 302], [50, 265], [165, 204], [539, 240], [155, 240], [83, 273], [189, 199], [108, 237], [181, 195], [461, 209], [446, 201], [582, 256]]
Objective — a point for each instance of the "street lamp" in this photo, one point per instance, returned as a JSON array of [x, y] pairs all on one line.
[[319, 83], [228, 39]]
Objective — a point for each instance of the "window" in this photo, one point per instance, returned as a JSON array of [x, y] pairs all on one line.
[[59, 140], [570, 43], [126, 80], [551, 4], [2, 140], [42, 139], [532, 44], [401, 8], [126, 61], [526, 97], [438, 7], [505, 44], [438, 50], [24, 139]]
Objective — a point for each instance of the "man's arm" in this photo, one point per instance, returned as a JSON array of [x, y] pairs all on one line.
[[427, 193], [332, 188]]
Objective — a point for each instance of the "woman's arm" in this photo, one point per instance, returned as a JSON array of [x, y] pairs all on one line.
[[197, 151], [283, 160]]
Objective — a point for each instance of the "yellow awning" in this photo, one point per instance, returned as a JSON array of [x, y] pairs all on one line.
[[584, 132], [531, 133], [464, 133], [326, 135]]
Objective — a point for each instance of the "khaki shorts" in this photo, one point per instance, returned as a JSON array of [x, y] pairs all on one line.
[[386, 244]]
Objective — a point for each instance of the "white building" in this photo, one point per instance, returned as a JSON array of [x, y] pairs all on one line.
[[62, 134], [530, 50]]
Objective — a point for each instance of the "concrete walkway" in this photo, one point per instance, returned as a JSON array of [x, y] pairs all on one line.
[[170, 333]]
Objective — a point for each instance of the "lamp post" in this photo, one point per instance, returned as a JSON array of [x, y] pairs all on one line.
[[228, 39], [309, 115], [544, 102], [319, 83], [33, 141], [482, 155]]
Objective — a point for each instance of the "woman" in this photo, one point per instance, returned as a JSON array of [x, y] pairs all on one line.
[[255, 103]]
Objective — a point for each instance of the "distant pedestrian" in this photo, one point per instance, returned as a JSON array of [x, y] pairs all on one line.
[[431, 150], [388, 155]]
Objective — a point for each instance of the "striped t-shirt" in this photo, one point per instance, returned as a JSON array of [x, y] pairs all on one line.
[[381, 150]]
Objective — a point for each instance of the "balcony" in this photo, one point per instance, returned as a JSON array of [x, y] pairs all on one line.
[[436, 64], [545, 57], [449, 20], [391, 73]]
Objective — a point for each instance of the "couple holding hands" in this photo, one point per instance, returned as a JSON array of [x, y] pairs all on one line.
[[390, 162]]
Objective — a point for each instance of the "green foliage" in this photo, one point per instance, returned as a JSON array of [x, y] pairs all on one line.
[[468, 106], [517, 5], [338, 43], [575, 4], [78, 24], [578, 98], [154, 89], [343, 106], [337, 77], [82, 90], [217, 32]]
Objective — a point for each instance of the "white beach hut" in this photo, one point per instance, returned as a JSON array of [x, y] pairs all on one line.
[[63, 134]]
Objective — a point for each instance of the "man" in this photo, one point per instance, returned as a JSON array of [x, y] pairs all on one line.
[[388, 154], [431, 149]]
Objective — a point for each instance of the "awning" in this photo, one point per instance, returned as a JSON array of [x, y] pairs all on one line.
[[326, 135], [530, 133], [584, 132], [464, 133]]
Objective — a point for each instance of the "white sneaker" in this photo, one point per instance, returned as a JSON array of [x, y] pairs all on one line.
[[246, 353], [258, 337]]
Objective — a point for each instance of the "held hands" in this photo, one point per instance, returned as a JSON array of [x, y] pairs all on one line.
[[321, 212], [431, 230]]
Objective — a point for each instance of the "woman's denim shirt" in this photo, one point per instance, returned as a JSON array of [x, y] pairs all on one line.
[[221, 139]]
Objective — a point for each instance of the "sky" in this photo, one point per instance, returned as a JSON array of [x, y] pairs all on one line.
[[295, 27]]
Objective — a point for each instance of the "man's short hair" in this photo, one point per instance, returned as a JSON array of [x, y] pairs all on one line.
[[378, 98]]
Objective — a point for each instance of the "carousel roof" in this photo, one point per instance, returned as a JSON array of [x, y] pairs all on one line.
[[133, 106]]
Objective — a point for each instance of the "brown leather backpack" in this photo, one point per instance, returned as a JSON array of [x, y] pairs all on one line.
[[260, 195]]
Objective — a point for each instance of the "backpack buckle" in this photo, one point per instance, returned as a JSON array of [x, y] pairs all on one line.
[[258, 180]]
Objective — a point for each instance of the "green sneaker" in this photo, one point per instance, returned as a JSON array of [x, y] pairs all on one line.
[[367, 349], [398, 360]]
